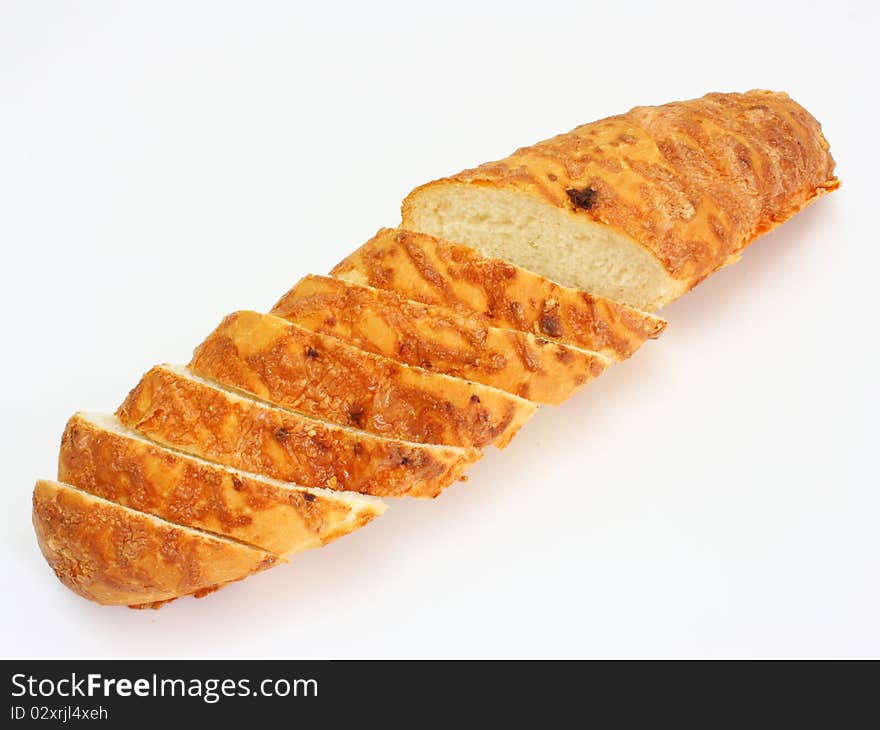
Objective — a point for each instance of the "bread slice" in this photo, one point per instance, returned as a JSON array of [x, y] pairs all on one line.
[[432, 271], [643, 206], [318, 375], [438, 339], [115, 555], [176, 408], [100, 456]]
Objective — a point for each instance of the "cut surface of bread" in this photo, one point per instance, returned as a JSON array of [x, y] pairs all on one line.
[[432, 271], [176, 408], [319, 375], [439, 339], [642, 206], [115, 555], [101, 456]]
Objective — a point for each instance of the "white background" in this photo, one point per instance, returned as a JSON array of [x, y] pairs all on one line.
[[162, 164]]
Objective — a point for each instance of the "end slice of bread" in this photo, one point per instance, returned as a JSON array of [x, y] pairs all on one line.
[[115, 555], [176, 408], [322, 376], [439, 339], [433, 271], [101, 456]]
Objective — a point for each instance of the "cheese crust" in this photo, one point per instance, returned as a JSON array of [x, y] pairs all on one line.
[[178, 410], [117, 556], [279, 518], [439, 339], [692, 182], [430, 270], [322, 376]]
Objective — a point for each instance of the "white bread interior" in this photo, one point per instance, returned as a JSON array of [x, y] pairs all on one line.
[[556, 243]]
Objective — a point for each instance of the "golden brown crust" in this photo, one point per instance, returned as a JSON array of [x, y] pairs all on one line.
[[432, 271], [439, 339], [694, 181], [133, 473], [194, 417], [322, 376], [117, 556]]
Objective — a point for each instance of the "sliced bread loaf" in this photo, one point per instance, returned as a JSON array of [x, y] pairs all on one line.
[[439, 339], [115, 555], [432, 271], [101, 456], [176, 408], [319, 375], [643, 206]]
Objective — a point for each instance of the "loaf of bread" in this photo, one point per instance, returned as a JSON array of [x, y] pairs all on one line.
[[506, 286], [115, 555], [100, 456], [638, 207], [432, 271], [323, 377], [438, 339], [175, 408]]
